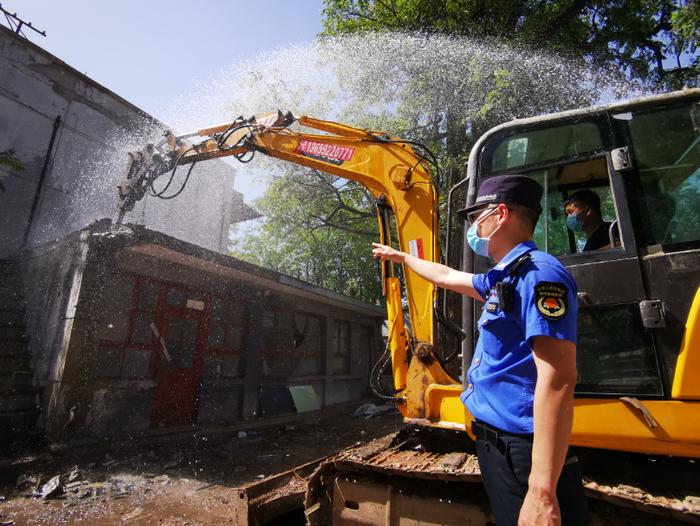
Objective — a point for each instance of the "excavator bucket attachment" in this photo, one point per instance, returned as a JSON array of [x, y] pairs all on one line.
[[146, 165], [143, 167]]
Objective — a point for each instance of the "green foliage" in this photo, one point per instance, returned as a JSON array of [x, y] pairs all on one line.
[[647, 39], [318, 229], [687, 216], [8, 160]]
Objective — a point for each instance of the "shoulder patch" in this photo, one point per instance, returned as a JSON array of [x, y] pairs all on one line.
[[550, 299]]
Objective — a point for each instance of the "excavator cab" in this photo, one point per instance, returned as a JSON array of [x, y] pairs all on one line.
[[639, 295]]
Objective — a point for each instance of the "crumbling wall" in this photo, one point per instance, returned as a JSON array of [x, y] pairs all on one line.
[[52, 278], [134, 331], [46, 103]]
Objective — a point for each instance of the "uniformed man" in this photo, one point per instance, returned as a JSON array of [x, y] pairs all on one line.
[[523, 373]]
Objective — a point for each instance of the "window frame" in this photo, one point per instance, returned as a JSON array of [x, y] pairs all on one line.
[[623, 138], [489, 147]]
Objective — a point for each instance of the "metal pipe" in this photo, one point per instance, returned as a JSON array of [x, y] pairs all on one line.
[[448, 234], [468, 264], [40, 184]]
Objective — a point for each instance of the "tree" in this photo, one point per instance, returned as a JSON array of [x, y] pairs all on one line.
[[653, 41], [315, 237], [440, 93], [8, 160], [464, 68]]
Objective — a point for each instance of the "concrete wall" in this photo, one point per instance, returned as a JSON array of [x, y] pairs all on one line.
[[94, 130]]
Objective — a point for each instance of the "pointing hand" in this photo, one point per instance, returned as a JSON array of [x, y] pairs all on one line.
[[387, 253]]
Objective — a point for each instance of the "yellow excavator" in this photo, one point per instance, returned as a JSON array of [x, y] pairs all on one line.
[[637, 402]]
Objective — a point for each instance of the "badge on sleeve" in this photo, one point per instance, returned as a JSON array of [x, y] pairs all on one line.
[[550, 298]]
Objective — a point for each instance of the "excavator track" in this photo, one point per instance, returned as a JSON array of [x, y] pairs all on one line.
[[400, 475]]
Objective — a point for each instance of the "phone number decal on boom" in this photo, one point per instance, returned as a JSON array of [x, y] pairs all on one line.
[[330, 153]]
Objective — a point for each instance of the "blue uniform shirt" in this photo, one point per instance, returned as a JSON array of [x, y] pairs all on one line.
[[502, 375]]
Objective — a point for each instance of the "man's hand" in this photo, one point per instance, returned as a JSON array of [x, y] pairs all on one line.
[[539, 509], [436, 273], [385, 252]]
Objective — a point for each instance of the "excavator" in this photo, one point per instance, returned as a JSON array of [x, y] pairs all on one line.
[[637, 402]]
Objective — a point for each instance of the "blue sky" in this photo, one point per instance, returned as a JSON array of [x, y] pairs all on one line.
[[155, 52], [152, 51]]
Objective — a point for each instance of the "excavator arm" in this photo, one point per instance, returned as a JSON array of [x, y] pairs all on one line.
[[399, 178]]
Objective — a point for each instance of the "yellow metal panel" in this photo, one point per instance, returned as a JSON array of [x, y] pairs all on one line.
[[685, 380], [442, 403], [397, 335], [599, 423], [612, 424]]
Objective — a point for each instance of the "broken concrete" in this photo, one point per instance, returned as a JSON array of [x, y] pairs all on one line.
[[185, 481]]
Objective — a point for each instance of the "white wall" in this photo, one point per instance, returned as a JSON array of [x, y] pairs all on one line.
[[97, 129]]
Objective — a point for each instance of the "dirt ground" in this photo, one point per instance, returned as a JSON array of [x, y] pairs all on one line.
[[189, 481]]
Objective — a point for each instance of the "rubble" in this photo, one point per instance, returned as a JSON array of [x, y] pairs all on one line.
[[371, 410], [187, 481], [73, 474], [52, 488], [132, 515], [71, 486], [161, 479]]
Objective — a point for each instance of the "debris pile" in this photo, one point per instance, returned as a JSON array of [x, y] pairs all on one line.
[[186, 479], [76, 485]]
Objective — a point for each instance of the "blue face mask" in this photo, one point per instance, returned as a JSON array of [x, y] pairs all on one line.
[[573, 223], [480, 245]]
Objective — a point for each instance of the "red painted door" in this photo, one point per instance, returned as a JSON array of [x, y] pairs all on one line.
[[178, 366]]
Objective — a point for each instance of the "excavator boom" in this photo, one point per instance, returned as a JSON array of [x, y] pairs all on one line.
[[399, 178]]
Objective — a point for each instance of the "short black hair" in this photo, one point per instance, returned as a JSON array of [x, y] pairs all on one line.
[[585, 197], [528, 215]]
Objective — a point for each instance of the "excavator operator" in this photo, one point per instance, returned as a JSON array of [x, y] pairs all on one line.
[[583, 214], [523, 373]]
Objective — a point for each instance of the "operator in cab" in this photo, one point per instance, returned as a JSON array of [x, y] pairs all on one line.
[[583, 214], [523, 372]]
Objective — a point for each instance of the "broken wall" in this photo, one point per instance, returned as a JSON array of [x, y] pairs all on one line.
[[136, 331]]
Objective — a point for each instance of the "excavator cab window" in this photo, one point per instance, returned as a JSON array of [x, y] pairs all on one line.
[[665, 183], [572, 161], [571, 188], [572, 165], [545, 145]]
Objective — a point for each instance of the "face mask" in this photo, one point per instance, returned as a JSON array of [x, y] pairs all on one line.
[[574, 224], [480, 245]]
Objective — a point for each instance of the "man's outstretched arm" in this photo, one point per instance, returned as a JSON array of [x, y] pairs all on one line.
[[441, 275]]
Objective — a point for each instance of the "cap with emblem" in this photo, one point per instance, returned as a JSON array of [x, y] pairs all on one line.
[[509, 189]]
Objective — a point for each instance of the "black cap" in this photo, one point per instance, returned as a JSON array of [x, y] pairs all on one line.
[[509, 189]]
